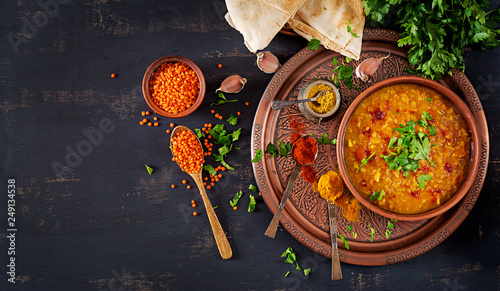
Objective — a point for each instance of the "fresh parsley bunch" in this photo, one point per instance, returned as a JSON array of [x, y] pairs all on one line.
[[438, 31]]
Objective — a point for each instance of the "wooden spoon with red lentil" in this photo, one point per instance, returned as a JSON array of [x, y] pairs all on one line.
[[188, 153]]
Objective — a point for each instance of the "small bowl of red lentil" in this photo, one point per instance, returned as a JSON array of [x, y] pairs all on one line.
[[173, 86], [408, 148]]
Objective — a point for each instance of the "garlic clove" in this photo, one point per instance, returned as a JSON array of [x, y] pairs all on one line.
[[232, 84], [267, 62], [369, 67]]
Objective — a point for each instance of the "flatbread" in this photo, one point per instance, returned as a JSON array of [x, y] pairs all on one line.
[[259, 21], [329, 25]]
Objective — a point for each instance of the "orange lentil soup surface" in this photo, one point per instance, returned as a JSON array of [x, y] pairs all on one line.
[[174, 87], [370, 130], [187, 152]]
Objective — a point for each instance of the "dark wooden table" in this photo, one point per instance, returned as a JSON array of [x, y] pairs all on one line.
[[107, 224]]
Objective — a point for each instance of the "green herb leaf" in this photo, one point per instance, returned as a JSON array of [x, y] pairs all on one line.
[[236, 134], [251, 205], [377, 195], [354, 235], [258, 156], [324, 8], [349, 228], [364, 162], [307, 271], [346, 243], [432, 130], [253, 188], [372, 232], [421, 180], [236, 198], [429, 99], [285, 148], [232, 120], [210, 170], [199, 134], [150, 170], [325, 140], [349, 29], [313, 44], [222, 100], [387, 233], [291, 258], [394, 220], [297, 267], [286, 275], [390, 225], [272, 150]]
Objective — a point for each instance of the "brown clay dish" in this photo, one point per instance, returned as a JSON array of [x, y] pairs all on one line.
[[474, 157], [151, 70]]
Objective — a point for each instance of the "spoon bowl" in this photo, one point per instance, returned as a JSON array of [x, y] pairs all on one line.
[[273, 226], [219, 235]]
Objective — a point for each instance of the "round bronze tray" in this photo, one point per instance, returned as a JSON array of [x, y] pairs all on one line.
[[305, 215]]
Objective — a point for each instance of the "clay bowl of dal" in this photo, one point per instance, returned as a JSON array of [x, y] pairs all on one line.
[[421, 169], [173, 86]]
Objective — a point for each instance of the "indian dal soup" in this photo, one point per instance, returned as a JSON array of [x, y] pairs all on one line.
[[407, 149]]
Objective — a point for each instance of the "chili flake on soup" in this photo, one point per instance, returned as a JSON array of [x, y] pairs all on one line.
[[407, 149]]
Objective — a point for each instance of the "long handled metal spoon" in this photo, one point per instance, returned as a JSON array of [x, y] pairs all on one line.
[[336, 270], [273, 226], [280, 104], [220, 237]]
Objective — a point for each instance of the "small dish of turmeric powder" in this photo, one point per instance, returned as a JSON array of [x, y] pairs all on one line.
[[325, 106]]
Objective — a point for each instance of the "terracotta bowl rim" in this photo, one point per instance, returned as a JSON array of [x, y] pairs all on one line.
[[464, 112], [158, 63]]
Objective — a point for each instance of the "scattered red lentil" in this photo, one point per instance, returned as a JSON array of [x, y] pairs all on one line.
[[156, 124], [147, 112], [193, 202], [239, 113], [143, 113], [155, 118], [212, 111], [173, 186], [246, 103], [208, 187], [195, 213], [219, 66], [113, 75], [145, 120], [168, 130], [193, 205], [141, 122], [184, 181], [235, 207], [149, 123], [174, 87], [172, 125], [188, 187]]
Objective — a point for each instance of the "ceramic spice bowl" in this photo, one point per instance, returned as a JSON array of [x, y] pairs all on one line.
[[462, 187], [156, 106]]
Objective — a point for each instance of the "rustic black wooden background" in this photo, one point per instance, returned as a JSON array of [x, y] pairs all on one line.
[[108, 225]]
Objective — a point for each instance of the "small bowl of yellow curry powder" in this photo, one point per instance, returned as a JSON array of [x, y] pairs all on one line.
[[325, 106]]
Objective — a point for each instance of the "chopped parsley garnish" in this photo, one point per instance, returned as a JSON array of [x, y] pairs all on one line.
[[349, 228], [199, 134], [372, 232], [258, 156], [387, 233], [432, 129], [280, 149], [253, 187], [313, 44], [236, 198], [215, 207], [251, 205], [349, 29], [325, 140], [210, 170], [222, 100], [429, 99], [390, 225], [232, 120], [225, 139], [150, 170], [291, 258], [411, 146], [377, 195], [346, 243], [354, 235], [324, 8], [344, 73], [421, 180], [364, 162], [286, 275]]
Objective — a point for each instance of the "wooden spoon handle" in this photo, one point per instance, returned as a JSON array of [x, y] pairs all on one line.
[[220, 237]]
